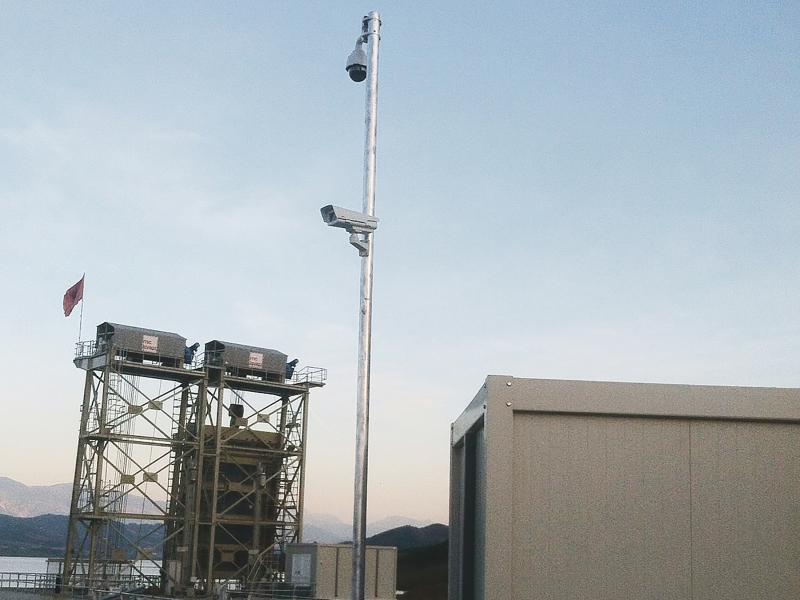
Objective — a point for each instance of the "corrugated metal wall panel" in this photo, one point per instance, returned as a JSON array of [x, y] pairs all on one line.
[[601, 507], [601, 491], [479, 562], [746, 510]]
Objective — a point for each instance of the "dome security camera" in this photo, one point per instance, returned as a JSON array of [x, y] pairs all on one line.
[[357, 64]]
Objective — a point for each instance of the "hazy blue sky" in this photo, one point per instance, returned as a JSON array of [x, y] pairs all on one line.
[[567, 190]]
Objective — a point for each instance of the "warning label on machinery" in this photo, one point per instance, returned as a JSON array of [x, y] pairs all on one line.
[[256, 360], [150, 344], [301, 569]]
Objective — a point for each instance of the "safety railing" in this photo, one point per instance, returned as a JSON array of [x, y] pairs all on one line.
[[27, 581], [89, 348], [52, 581], [312, 375], [274, 590], [85, 348], [139, 588]]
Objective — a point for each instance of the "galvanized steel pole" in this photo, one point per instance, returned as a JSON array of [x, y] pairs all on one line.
[[371, 32]]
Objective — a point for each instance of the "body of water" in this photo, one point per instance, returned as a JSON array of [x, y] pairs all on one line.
[[23, 564], [36, 564]]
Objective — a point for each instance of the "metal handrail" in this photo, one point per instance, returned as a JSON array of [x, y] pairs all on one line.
[[85, 348], [307, 374], [25, 580], [89, 348], [310, 375], [113, 587]]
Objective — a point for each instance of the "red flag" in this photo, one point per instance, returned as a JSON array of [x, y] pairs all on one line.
[[72, 296]]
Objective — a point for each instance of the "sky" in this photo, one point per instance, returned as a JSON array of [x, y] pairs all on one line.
[[579, 190]]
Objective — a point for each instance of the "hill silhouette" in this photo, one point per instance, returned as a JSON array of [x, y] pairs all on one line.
[[409, 536], [422, 572], [46, 536], [421, 560], [20, 500]]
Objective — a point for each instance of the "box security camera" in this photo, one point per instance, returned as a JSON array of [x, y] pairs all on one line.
[[350, 220]]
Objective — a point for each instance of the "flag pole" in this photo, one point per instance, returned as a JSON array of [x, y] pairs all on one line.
[[80, 322]]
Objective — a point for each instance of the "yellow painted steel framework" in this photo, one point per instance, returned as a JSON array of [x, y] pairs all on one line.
[[166, 493]]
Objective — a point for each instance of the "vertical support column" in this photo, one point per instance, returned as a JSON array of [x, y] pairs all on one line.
[[170, 553], [215, 485], [96, 527], [301, 498], [76, 479], [199, 465], [258, 505], [284, 415], [280, 495], [259, 484]]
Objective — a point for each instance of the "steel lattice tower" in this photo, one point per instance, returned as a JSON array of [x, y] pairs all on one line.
[[186, 474]]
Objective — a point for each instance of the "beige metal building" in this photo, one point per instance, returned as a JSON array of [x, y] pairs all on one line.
[[327, 571], [571, 490]]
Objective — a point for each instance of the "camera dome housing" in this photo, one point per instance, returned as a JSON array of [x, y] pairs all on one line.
[[357, 64]]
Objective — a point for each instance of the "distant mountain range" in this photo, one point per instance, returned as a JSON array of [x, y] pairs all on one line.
[[327, 529], [408, 537], [20, 500], [45, 535]]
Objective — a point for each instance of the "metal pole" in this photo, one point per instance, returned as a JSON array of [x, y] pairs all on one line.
[[80, 322], [371, 31], [301, 500]]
